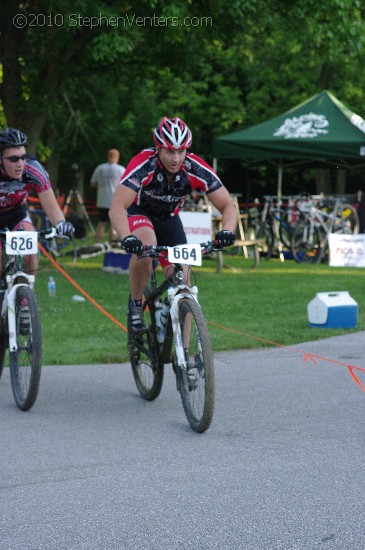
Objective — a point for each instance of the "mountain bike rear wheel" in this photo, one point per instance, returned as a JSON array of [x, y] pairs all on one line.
[[143, 352], [25, 362], [196, 382]]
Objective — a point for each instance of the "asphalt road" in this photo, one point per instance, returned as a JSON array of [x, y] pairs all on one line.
[[93, 466]]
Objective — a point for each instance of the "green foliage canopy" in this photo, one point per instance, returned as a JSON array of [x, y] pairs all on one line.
[[101, 74]]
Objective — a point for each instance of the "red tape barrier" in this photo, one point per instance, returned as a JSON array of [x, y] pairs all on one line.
[[306, 356], [87, 296]]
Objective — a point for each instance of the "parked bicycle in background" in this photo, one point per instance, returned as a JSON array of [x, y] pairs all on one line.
[[298, 226], [330, 215], [275, 223]]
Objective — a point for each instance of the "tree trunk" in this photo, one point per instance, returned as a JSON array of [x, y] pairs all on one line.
[[341, 182], [323, 181]]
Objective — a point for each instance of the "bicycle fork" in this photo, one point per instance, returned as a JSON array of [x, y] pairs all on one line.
[[8, 305], [174, 299]]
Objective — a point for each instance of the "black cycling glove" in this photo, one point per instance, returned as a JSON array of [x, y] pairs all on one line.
[[132, 245], [65, 229], [224, 238]]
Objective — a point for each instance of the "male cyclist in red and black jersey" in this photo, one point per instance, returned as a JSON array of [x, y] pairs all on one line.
[[20, 174], [146, 203]]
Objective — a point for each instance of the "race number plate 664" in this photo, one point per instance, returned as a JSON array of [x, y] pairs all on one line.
[[21, 243], [190, 254]]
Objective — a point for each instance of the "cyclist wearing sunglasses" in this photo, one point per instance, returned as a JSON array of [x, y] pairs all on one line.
[[150, 195], [20, 175]]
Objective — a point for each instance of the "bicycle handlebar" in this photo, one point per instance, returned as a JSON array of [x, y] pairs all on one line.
[[47, 233], [153, 250]]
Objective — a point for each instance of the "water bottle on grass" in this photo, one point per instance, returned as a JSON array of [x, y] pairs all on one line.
[[51, 287]]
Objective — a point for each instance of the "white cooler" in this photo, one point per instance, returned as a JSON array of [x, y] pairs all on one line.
[[333, 310]]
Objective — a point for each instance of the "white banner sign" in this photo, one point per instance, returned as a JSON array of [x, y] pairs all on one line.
[[347, 250], [197, 226]]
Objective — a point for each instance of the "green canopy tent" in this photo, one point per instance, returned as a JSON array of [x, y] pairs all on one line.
[[321, 129]]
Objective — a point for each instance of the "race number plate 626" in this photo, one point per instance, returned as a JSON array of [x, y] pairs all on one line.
[[190, 254], [21, 243]]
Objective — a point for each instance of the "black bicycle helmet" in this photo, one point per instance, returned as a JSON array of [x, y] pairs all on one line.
[[10, 137]]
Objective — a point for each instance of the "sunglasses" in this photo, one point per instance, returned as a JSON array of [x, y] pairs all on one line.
[[15, 158]]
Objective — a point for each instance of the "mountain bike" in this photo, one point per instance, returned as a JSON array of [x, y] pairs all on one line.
[[20, 326], [310, 237], [275, 224], [186, 343]]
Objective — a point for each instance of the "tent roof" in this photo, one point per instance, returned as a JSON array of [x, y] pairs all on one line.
[[321, 128]]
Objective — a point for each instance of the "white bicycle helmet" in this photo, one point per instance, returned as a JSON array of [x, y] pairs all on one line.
[[172, 134]]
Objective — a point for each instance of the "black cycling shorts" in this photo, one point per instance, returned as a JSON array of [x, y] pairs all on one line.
[[11, 218], [169, 230]]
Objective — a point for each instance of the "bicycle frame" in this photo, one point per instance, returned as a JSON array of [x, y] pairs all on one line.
[[173, 329]]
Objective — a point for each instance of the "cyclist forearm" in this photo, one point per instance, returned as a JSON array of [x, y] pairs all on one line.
[[222, 200], [51, 207], [229, 218], [122, 199]]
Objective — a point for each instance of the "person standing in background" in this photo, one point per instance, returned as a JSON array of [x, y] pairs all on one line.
[[105, 178]]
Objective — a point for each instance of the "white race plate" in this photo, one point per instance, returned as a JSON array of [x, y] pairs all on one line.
[[190, 254], [21, 243]]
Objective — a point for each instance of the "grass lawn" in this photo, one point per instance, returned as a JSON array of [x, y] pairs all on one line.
[[263, 307]]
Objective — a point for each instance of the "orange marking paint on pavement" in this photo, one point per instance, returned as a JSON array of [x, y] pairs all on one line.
[[306, 356], [309, 357]]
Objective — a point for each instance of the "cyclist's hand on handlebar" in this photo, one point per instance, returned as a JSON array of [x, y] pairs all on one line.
[[65, 229], [132, 245], [224, 238]]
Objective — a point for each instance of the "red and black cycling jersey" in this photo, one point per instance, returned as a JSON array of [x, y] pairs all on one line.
[[15, 192], [146, 175]]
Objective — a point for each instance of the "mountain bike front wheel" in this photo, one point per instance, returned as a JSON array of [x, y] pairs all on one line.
[[196, 382], [25, 362], [143, 350]]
